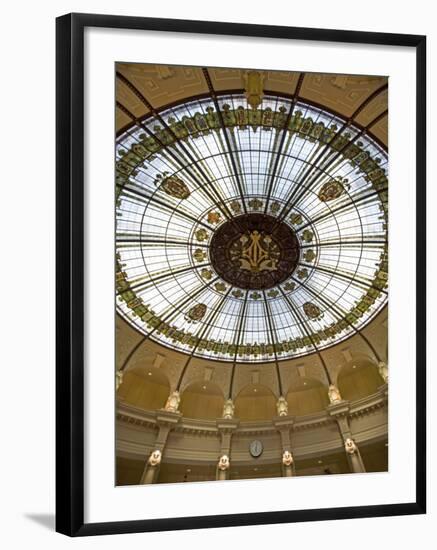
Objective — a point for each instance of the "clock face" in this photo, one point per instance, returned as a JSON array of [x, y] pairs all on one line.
[[256, 448]]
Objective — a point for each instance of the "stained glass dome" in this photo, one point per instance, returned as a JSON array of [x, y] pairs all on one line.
[[250, 235]]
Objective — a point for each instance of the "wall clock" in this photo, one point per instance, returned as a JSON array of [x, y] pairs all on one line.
[[256, 448]]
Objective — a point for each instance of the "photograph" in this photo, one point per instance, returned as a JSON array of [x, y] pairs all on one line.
[[251, 273]]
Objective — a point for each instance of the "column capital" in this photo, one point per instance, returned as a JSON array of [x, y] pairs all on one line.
[[227, 425], [338, 409], [383, 390], [167, 418], [283, 422]]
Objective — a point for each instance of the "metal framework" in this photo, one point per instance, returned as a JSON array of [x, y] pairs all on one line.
[[235, 166]]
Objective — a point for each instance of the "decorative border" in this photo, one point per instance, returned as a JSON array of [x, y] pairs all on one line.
[[264, 119], [70, 273]]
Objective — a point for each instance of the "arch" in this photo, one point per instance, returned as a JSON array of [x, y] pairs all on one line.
[[201, 399], [308, 396], [255, 402], [144, 387], [358, 378]]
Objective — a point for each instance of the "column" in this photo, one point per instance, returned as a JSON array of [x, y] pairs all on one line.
[[226, 427], [166, 421], [340, 412], [284, 425]]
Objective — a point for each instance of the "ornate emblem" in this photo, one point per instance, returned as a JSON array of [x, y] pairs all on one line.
[[302, 273], [334, 394], [255, 204], [333, 189], [307, 236], [228, 409], [282, 406], [287, 458], [312, 311], [199, 255], [383, 371], [237, 293], [350, 446], [309, 256], [213, 217], [173, 400], [220, 287], [289, 286], [224, 463], [235, 207], [274, 207], [272, 293], [172, 185], [118, 379], [296, 219], [256, 252], [206, 274], [255, 295], [253, 84], [196, 313], [155, 458], [201, 235]]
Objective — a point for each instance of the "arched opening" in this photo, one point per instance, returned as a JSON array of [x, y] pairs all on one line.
[[306, 397], [255, 402], [358, 379], [145, 388], [202, 400]]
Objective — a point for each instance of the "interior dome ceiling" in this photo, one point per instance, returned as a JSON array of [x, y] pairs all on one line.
[[250, 235]]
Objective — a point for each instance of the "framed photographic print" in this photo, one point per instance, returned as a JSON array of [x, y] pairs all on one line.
[[240, 274]]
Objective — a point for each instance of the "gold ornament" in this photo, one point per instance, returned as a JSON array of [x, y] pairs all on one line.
[[296, 219], [199, 255], [255, 204], [213, 217], [196, 313], [307, 236], [201, 235], [206, 274], [220, 287], [256, 252], [173, 186], [309, 256], [333, 189], [289, 286], [312, 311], [253, 84]]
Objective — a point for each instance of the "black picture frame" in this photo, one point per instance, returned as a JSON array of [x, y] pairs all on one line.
[[70, 273]]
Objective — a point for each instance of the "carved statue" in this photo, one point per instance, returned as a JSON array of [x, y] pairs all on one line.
[[228, 409], [282, 406], [118, 379], [383, 371], [155, 458], [173, 401], [334, 394], [350, 446], [223, 463], [287, 458]]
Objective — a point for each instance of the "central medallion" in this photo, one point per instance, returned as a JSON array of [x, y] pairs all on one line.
[[254, 251]]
